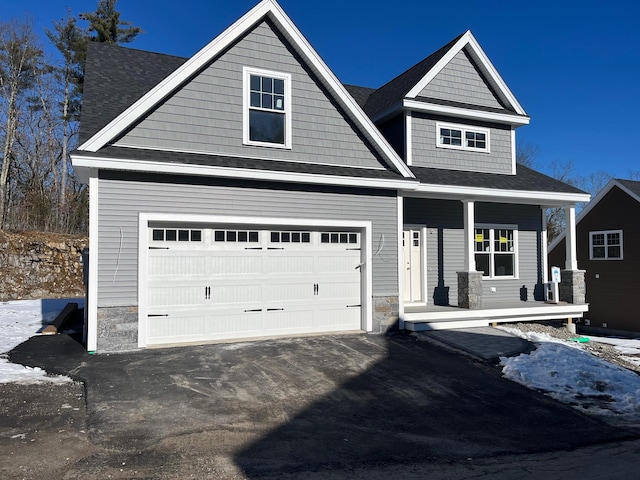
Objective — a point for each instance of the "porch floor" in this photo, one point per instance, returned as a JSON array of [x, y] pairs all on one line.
[[436, 317]]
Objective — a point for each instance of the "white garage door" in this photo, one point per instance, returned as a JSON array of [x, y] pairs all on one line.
[[226, 283]]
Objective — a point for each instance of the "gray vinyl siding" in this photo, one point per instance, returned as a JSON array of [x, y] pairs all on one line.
[[460, 81], [205, 115], [445, 247], [425, 153], [121, 201]]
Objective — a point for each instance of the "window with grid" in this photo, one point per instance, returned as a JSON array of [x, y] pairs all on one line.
[[495, 251], [605, 245], [462, 137], [267, 108]]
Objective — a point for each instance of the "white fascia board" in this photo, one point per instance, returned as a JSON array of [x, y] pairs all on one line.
[[509, 196], [494, 117], [225, 39], [468, 39], [338, 88], [182, 73], [230, 172], [589, 206]]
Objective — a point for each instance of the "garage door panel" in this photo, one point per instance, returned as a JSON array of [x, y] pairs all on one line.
[[226, 289], [236, 263], [177, 264]]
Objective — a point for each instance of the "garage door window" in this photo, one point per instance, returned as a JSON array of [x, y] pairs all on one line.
[[339, 237], [236, 236], [176, 235], [290, 237]]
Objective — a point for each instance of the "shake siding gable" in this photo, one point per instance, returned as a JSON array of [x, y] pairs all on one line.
[[124, 197], [425, 153], [460, 81], [206, 114]]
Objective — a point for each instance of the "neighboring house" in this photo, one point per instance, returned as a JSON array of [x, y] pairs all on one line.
[[608, 235], [245, 192]]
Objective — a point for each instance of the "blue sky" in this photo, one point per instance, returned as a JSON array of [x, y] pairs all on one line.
[[573, 65]]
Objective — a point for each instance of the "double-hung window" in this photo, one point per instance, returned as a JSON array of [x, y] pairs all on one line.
[[462, 137], [267, 108], [496, 251], [605, 245]]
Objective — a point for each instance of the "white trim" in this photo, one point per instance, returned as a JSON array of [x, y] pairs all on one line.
[[231, 172], [267, 7], [464, 129], [400, 253], [408, 137], [518, 196], [144, 219], [606, 245], [460, 112], [571, 251], [246, 106], [92, 300], [468, 39], [544, 247], [468, 208], [514, 157]]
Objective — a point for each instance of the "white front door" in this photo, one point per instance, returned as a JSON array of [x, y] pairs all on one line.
[[413, 265]]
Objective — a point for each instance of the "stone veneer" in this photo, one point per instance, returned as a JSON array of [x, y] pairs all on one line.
[[572, 288], [117, 329], [385, 314], [470, 290]]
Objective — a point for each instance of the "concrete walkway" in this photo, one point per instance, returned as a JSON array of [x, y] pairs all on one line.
[[486, 344]]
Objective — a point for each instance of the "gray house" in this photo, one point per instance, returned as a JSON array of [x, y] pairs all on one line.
[[245, 192]]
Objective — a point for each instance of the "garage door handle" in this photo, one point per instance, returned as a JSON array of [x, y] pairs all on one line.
[[254, 310], [275, 248], [253, 248], [158, 248], [275, 309], [353, 306], [158, 315]]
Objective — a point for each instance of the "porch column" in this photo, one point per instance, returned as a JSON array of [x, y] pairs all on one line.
[[469, 229], [469, 280], [571, 254], [572, 285]]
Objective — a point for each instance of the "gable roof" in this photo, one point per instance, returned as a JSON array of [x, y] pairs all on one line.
[[404, 90], [265, 9], [630, 187]]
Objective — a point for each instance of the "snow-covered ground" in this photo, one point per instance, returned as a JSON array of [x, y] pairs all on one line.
[[568, 372], [20, 320]]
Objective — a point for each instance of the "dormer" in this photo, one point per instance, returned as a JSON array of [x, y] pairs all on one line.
[[452, 111]]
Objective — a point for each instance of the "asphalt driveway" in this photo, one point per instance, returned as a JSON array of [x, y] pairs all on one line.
[[271, 407]]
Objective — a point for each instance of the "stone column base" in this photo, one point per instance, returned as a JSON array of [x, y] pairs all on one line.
[[572, 288], [470, 290]]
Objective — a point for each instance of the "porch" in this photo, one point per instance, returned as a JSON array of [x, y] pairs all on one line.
[[423, 318]]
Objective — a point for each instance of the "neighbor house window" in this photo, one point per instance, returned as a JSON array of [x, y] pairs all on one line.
[[267, 108], [462, 137], [606, 245], [496, 251]]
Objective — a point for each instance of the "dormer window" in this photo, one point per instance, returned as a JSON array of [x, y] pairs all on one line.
[[461, 137], [267, 108]]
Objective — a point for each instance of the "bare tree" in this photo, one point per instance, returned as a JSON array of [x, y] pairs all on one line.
[[20, 59], [527, 154]]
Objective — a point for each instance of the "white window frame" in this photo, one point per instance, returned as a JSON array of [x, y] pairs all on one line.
[[246, 92], [492, 229], [606, 245], [464, 129]]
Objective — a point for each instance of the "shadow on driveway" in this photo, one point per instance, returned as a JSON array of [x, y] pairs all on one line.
[[304, 404]]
